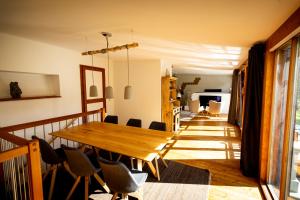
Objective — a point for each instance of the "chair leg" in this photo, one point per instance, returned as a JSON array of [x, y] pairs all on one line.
[[125, 196], [138, 194], [52, 183], [46, 173], [67, 167], [114, 197], [119, 158], [73, 188], [157, 169], [131, 162], [101, 182], [86, 188]]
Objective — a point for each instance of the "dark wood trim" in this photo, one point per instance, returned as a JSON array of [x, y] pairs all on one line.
[[12, 138], [84, 100], [46, 121], [83, 88], [287, 139], [291, 24], [29, 98], [266, 113], [94, 100]]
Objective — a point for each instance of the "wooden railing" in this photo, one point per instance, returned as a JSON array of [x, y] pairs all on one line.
[[20, 168], [20, 163]]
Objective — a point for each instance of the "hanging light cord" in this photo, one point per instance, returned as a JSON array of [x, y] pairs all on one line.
[[107, 59], [93, 70], [128, 65]]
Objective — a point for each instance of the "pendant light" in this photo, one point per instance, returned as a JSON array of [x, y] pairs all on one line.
[[93, 88], [128, 88], [108, 89]]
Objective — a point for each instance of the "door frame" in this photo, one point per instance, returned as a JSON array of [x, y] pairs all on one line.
[[84, 100]]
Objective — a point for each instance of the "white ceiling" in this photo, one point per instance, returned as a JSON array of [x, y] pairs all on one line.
[[196, 36]]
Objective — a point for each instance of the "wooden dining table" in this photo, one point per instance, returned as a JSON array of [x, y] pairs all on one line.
[[143, 144]]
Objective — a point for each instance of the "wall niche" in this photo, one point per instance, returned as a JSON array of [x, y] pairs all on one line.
[[33, 85]]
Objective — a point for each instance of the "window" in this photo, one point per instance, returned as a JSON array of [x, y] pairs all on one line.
[[294, 165], [278, 117]]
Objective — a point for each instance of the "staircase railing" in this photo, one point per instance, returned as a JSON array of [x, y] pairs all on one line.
[[20, 163]]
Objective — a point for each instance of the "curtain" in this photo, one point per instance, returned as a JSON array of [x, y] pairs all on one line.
[[249, 162], [233, 108], [239, 101]]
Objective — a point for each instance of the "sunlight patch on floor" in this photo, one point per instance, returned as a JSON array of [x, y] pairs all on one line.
[[234, 192], [200, 154], [205, 128], [203, 133], [203, 144]]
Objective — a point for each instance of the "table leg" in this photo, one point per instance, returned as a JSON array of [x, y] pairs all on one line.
[[153, 170], [139, 164]]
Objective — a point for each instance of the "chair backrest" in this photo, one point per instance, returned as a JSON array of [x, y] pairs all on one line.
[[160, 126], [134, 122], [49, 156], [79, 163], [194, 106], [111, 119], [214, 107], [118, 177]]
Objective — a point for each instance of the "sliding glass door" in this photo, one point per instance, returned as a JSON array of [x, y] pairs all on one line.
[[278, 118], [283, 170], [294, 132]]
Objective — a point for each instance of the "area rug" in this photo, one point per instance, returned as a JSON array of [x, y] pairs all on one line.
[[178, 182]]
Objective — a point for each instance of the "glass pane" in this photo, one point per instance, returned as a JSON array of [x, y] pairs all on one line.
[[295, 164], [278, 118]]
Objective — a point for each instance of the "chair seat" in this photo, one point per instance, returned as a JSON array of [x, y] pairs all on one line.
[[60, 152], [140, 177]]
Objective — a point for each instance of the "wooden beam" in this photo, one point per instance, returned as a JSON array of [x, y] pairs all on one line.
[[290, 25], [113, 49]]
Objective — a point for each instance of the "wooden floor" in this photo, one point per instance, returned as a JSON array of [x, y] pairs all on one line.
[[214, 145]]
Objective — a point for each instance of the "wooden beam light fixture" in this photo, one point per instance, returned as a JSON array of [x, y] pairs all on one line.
[[116, 48]]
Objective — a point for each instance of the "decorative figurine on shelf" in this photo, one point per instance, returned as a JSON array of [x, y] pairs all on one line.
[[15, 90]]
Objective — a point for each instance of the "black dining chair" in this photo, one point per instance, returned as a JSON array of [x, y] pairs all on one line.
[[53, 157], [113, 119], [81, 166], [134, 123], [160, 126], [121, 180]]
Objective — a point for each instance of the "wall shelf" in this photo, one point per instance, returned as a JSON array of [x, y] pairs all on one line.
[[29, 98], [33, 85]]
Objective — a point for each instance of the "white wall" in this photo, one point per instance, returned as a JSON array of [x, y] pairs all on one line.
[[207, 82], [145, 78], [165, 68], [19, 54]]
